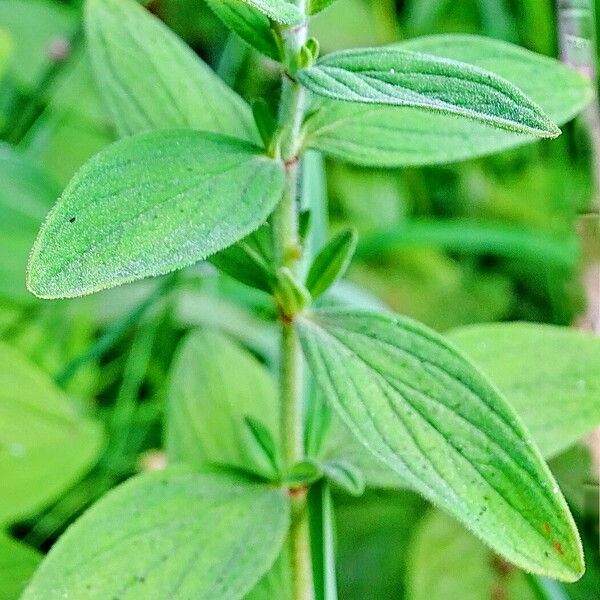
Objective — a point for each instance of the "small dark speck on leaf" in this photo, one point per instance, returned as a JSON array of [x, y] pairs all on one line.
[[72, 220]]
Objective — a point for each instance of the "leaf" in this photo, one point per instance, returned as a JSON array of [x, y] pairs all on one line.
[[252, 26], [316, 6], [331, 263], [290, 294], [402, 136], [150, 79], [45, 445], [151, 204], [25, 197], [170, 534], [446, 561], [281, 11], [425, 411], [17, 564], [345, 476], [245, 263], [548, 374], [215, 386], [330, 442], [399, 77], [476, 237]]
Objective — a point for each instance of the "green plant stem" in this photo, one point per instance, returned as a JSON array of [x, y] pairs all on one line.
[[287, 250]]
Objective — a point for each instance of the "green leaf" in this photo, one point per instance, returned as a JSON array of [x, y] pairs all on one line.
[[151, 204], [425, 411], [345, 476], [171, 534], [290, 294], [215, 386], [17, 564], [400, 136], [399, 77], [151, 80], [252, 26], [245, 263], [262, 439], [316, 6], [477, 237], [332, 262], [549, 375], [281, 11], [26, 195], [45, 445], [446, 561]]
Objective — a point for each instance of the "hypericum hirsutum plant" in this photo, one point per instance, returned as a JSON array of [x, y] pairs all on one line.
[[199, 174]]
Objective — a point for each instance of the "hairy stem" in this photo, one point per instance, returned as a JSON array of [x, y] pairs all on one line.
[[287, 249]]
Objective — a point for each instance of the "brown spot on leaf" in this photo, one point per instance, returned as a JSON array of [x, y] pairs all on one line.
[[558, 547]]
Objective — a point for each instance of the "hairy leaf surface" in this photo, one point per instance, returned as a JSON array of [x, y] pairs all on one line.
[[425, 411], [151, 204], [45, 445], [172, 534], [151, 80], [252, 26], [399, 77], [549, 374], [398, 136], [214, 386]]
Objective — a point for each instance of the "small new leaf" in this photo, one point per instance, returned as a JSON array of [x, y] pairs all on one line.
[[151, 204], [420, 407], [264, 442], [246, 264], [345, 475], [265, 121], [290, 294], [331, 263], [252, 26], [172, 534], [316, 6], [398, 77], [281, 11]]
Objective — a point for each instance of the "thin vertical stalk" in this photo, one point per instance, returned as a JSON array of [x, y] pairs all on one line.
[[287, 250]]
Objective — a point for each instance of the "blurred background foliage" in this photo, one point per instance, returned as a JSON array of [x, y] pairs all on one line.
[[492, 239]]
